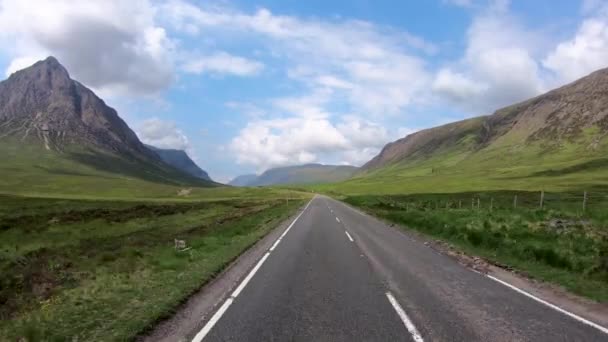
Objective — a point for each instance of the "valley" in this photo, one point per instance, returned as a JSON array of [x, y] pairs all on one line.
[[92, 220]]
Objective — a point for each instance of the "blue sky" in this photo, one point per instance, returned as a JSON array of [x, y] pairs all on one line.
[[243, 86]]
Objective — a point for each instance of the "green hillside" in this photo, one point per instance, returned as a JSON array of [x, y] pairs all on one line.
[[30, 169], [556, 141]]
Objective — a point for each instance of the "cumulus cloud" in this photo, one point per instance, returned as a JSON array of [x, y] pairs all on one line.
[[223, 63], [162, 134], [341, 67], [297, 140], [587, 51], [457, 87], [373, 67], [109, 45], [499, 66]]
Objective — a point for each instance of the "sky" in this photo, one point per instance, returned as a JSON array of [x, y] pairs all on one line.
[[244, 85]]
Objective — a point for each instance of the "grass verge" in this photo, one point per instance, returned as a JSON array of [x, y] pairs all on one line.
[[559, 246], [106, 271]]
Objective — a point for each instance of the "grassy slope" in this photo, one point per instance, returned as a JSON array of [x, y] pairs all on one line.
[[505, 165], [106, 270], [29, 169]]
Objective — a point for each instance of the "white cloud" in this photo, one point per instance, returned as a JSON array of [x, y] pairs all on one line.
[[584, 53], [113, 46], [374, 68], [162, 134], [297, 140], [456, 86], [499, 66], [223, 63]]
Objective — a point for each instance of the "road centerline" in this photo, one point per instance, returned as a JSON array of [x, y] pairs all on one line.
[[409, 325], [349, 237]]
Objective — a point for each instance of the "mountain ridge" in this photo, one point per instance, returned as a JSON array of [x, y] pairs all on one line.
[[552, 119], [297, 174], [180, 160]]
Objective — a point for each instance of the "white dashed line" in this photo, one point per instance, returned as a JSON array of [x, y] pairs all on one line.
[[337, 219], [349, 237], [404, 318]]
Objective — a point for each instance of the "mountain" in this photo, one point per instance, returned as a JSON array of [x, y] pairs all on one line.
[[243, 180], [562, 133], [300, 174], [42, 101], [53, 128], [180, 160]]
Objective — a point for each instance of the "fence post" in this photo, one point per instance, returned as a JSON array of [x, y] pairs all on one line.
[[584, 201], [472, 203], [459, 204], [515, 202], [542, 198], [478, 203]]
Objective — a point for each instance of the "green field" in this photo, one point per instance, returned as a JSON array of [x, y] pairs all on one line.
[[107, 270]]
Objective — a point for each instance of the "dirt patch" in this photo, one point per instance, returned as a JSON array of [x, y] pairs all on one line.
[[30, 279]]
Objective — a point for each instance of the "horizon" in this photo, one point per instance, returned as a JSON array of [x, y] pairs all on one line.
[[339, 80]]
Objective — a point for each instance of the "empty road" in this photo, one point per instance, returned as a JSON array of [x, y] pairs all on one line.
[[339, 275]]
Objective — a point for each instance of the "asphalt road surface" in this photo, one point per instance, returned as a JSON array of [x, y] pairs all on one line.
[[339, 275]]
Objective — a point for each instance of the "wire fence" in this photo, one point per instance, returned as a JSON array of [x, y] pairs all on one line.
[[580, 202]]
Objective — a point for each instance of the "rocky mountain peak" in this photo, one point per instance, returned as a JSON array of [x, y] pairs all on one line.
[[42, 103]]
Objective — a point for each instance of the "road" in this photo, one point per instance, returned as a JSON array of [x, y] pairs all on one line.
[[339, 275]]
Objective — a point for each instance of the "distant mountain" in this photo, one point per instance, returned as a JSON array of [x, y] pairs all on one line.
[[243, 180], [52, 117], [180, 160], [300, 174]]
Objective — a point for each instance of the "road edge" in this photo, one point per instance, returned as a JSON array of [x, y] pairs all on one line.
[[191, 315], [595, 312]]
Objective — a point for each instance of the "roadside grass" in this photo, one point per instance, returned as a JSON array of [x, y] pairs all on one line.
[[108, 270], [557, 244]]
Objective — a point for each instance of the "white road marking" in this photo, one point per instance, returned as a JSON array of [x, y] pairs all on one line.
[[216, 317], [337, 219], [349, 237], [552, 306], [406, 320], [294, 221], [220, 312], [527, 294], [250, 275], [274, 245]]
